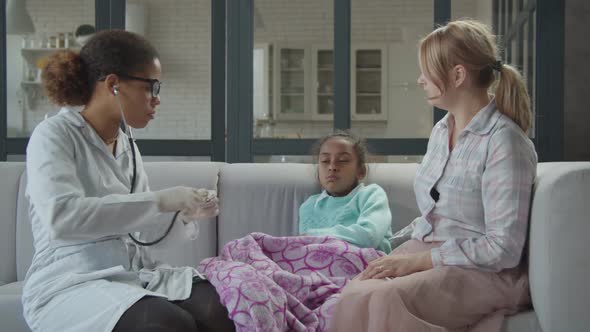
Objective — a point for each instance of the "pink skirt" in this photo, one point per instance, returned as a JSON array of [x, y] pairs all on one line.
[[440, 299]]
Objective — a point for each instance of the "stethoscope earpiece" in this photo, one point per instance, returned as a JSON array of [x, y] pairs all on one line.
[[115, 90]]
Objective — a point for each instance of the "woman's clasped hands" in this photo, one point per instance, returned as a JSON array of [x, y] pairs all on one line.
[[399, 265]]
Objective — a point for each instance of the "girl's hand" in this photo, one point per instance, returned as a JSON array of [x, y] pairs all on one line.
[[397, 265]]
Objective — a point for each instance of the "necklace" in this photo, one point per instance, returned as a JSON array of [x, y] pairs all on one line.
[[107, 141], [111, 140]]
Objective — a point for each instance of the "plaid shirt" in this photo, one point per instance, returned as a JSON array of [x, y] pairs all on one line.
[[484, 190]]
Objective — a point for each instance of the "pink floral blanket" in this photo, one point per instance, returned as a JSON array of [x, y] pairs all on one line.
[[270, 283]]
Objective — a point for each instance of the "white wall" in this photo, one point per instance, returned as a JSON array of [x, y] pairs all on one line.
[[180, 31]]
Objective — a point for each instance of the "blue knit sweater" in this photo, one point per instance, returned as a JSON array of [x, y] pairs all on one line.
[[361, 218]]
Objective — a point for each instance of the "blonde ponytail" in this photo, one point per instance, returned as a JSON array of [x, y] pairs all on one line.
[[512, 98], [473, 45]]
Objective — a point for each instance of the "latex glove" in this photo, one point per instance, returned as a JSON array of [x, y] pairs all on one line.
[[209, 209], [191, 218], [184, 199]]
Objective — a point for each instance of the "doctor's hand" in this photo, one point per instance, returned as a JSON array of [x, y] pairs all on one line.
[[397, 265], [204, 212], [186, 199]]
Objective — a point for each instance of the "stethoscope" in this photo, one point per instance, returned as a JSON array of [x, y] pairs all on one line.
[[134, 176]]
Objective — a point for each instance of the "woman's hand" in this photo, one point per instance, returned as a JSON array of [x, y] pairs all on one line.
[[397, 265]]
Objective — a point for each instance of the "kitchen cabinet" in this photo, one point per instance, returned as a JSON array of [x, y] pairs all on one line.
[[291, 82], [303, 82], [368, 83]]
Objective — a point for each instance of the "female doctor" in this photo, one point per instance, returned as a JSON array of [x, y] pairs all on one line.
[[88, 190]]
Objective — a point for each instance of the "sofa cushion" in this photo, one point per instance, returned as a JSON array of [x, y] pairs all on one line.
[[523, 322], [176, 249], [262, 198], [11, 314], [13, 288], [9, 182], [398, 182], [11, 308]]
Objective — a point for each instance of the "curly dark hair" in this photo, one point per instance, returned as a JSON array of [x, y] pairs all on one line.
[[359, 144], [69, 78]]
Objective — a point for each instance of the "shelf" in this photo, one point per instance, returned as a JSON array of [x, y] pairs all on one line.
[[292, 69], [292, 94], [368, 94], [32, 90], [29, 83], [373, 69], [32, 55], [52, 49], [35, 52]]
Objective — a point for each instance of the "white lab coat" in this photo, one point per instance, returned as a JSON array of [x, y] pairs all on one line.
[[85, 272]]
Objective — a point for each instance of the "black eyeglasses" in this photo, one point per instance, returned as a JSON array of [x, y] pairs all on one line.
[[154, 83]]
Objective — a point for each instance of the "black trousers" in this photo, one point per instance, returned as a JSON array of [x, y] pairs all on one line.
[[201, 312]]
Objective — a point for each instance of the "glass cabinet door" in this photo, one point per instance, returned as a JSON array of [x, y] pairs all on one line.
[[323, 87], [368, 99], [292, 77]]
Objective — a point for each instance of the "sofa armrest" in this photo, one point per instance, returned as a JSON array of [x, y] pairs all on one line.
[[559, 264], [10, 173]]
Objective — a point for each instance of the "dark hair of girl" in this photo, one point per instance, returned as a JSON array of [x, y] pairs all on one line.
[[359, 146]]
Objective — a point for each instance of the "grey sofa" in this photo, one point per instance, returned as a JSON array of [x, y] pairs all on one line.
[[266, 197]]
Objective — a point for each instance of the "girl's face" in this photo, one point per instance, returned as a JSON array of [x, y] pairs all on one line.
[[139, 105], [338, 167]]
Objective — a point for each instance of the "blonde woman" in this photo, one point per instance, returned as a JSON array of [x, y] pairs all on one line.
[[461, 268]]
